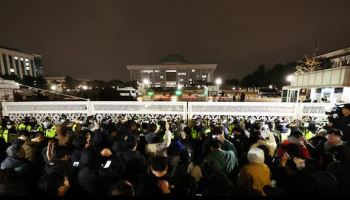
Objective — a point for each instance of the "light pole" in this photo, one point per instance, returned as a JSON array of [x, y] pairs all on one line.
[[146, 83], [289, 78], [218, 82]]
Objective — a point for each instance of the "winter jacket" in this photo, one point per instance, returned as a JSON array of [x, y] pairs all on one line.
[[226, 160], [303, 150], [254, 176]]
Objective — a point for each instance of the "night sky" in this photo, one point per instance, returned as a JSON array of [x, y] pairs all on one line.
[[96, 39]]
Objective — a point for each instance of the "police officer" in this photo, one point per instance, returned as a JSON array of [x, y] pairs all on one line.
[[197, 128], [9, 134], [48, 128], [24, 125]]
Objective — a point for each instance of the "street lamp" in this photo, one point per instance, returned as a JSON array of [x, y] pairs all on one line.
[[218, 81], [53, 87], [270, 86], [146, 81], [290, 78]]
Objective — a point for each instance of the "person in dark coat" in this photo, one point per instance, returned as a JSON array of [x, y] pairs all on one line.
[[60, 161], [54, 184], [15, 158], [90, 163], [157, 182], [135, 162], [214, 181]]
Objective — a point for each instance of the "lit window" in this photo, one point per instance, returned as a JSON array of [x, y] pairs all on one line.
[[204, 76], [27, 68], [156, 70], [16, 58], [21, 59], [27, 64], [193, 70], [182, 73], [26, 59], [190, 79], [161, 77], [181, 79], [171, 70], [12, 70]]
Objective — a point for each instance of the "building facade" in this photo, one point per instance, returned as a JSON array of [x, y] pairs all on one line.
[[339, 57], [172, 72], [327, 85], [15, 62]]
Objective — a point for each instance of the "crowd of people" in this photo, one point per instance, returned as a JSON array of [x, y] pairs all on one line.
[[168, 157]]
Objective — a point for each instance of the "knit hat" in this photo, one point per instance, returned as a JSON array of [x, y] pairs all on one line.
[[256, 155]]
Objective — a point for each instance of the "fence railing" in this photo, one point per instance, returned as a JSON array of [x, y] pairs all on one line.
[[158, 109]]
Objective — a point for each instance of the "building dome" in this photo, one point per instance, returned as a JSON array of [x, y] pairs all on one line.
[[173, 59]]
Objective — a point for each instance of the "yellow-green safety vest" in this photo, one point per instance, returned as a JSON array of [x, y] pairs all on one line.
[[8, 137], [23, 127], [50, 133], [308, 135], [194, 134]]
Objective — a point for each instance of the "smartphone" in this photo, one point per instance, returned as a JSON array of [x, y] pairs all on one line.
[[108, 163], [76, 164]]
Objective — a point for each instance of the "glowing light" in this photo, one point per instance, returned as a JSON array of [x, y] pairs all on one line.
[[290, 78], [218, 81], [146, 81], [53, 87]]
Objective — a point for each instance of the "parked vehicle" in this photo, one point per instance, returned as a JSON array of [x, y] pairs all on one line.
[[267, 92]]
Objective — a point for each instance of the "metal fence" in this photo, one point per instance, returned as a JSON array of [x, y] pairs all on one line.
[[153, 110]]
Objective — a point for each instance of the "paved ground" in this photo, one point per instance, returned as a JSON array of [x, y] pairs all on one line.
[[250, 97]]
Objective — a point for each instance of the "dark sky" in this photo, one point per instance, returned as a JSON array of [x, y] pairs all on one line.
[[96, 39]]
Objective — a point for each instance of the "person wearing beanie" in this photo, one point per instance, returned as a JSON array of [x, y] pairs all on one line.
[[255, 175]]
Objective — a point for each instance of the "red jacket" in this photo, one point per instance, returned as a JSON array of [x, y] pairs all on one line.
[[303, 150]]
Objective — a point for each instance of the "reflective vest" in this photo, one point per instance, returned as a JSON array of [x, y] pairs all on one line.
[[4, 134], [40, 128], [74, 127], [230, 129], [207, 131], [50, 133], [23, 127], [194, 134], [308, 135], [8, 137], [1, 130]]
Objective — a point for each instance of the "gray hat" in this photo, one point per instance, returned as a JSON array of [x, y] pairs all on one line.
[[256, 155]]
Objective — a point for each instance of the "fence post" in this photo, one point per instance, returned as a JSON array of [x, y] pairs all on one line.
[[89, 108]]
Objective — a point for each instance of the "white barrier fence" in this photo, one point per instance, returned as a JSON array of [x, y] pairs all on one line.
[[258, 110], [155, 110]]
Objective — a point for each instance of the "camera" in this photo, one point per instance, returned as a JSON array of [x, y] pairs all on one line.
[[335, 114]]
